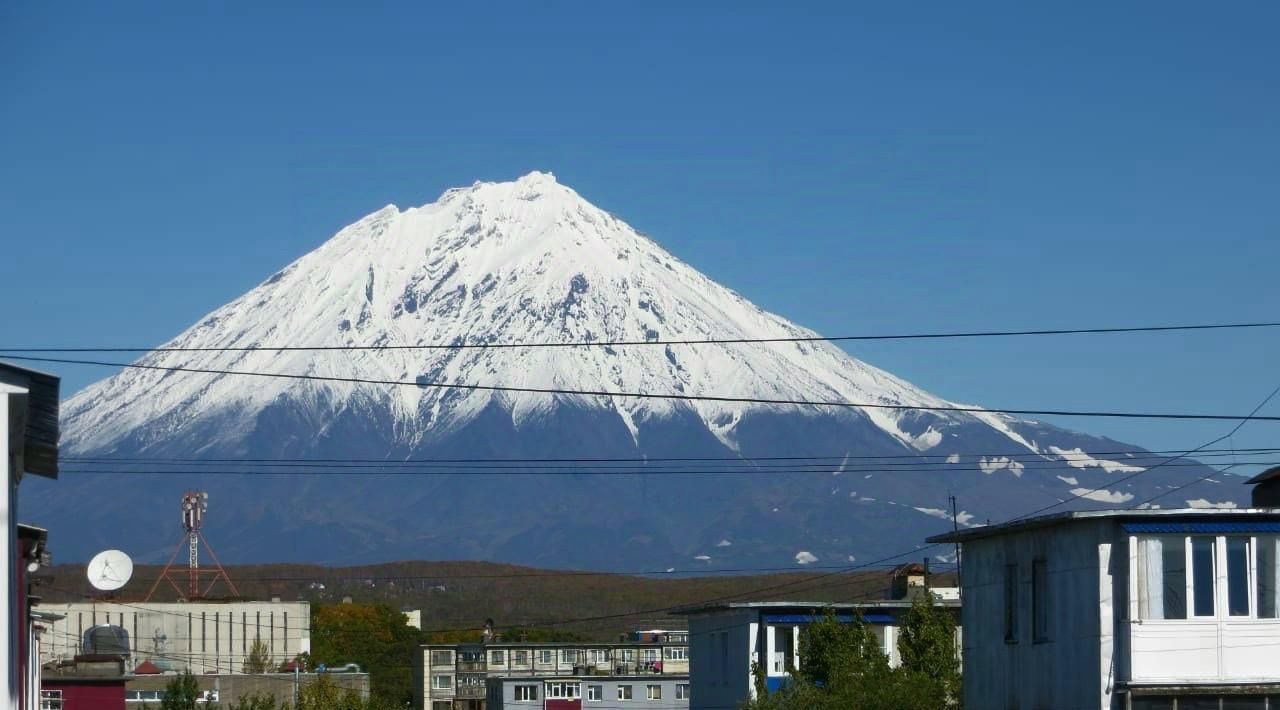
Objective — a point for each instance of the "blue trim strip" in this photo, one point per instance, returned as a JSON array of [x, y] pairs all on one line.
[[813, 618], [1267, 526]]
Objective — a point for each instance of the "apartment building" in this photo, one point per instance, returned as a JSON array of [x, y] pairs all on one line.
[[665, 692], [455, 676]]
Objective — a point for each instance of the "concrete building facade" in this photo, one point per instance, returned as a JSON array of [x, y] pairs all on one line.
[[665, 692], [455, 676], [203, 637], [1123, 610]]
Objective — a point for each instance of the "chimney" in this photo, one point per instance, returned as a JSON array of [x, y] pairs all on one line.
[[1266, 488]]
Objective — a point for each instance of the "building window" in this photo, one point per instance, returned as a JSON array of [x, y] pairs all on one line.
[[521, 658], [624, 692], [1238, 556], [442, 682], [682, 691], [598, 656], [442, 705], [546, 655], [676, 653], [653, 692], [1162, 577], [651, 654], [442, 658], [1039, 601], [497, 658], [526, 692], [564, 691], [569, 655], [595, 692], [724, 658], [1011, 603], [1268, 574], [1202, 574]]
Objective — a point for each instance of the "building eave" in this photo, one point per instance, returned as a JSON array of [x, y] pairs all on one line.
[[1043, 521]]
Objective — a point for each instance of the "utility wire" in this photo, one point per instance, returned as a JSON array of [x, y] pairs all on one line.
[[646, 395], [374, 471], [1066, 456], [629, 343]]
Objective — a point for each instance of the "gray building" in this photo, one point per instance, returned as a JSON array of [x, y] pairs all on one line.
[[455, 676], [1123, 610], [647, 692], [203, 637]]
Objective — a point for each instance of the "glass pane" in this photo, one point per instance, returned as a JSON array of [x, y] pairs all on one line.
[[1238, 576], [1202, 574], [1162, 577], [1244, 702], [1268, 577], [1198, 702]]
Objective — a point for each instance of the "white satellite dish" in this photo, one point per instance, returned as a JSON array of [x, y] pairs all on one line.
[[109, 570]]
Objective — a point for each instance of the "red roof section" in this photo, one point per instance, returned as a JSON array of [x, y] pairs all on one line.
[[147, 668]]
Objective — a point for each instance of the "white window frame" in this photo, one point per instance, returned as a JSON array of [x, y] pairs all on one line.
[[441, 681], [497, 658], [682, 691], [546, 655], [446, 653], [529, 692], [676, 653], [1221, 594], [563, 690], [653, 691], [595, 693], [625, 689]]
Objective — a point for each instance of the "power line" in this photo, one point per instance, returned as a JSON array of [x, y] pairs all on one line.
[[837, 462], [648, 395], [374, 471], [630, 343]]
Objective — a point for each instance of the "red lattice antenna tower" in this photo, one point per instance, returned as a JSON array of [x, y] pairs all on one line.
[[194, 506]]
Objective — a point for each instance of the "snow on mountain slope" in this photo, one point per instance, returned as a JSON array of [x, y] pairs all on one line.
[[520, 262], [530, 261]]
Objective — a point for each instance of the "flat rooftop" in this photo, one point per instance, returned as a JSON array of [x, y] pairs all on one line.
[[1043, 521], [782, 605]]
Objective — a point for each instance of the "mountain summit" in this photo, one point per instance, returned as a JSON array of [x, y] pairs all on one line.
[[525, 262]]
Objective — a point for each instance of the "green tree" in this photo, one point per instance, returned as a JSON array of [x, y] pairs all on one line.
[[927, 645], [374, 636], [255, 701], [843, 668], [259, 658], [181, 693]]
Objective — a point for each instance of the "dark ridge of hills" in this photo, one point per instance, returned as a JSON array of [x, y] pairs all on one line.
[[459, 596]]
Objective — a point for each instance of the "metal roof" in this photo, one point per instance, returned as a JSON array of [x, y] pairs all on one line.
[[1267, 475], [1185, 514], [840, 606], [1212, 526]]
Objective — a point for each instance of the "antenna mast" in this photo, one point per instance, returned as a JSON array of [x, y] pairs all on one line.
[[194, 506]]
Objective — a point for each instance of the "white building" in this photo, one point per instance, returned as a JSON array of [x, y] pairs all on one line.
[[726, 638], [1132, 610], [29, 445], [203, 637]]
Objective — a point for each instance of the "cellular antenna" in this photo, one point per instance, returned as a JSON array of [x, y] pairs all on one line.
[[194, 506]]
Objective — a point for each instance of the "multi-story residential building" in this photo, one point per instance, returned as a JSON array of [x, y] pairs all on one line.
[[1123, 610], [455, 676], [727, 638], [643, 692]]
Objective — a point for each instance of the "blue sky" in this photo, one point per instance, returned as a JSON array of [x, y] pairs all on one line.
[[858, 170]]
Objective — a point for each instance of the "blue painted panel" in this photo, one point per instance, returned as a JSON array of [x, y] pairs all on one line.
[[811, 618], [775, 683], [1241, 526]]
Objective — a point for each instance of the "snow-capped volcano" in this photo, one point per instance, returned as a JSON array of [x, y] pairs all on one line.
[[531, 261], [528, 261]]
